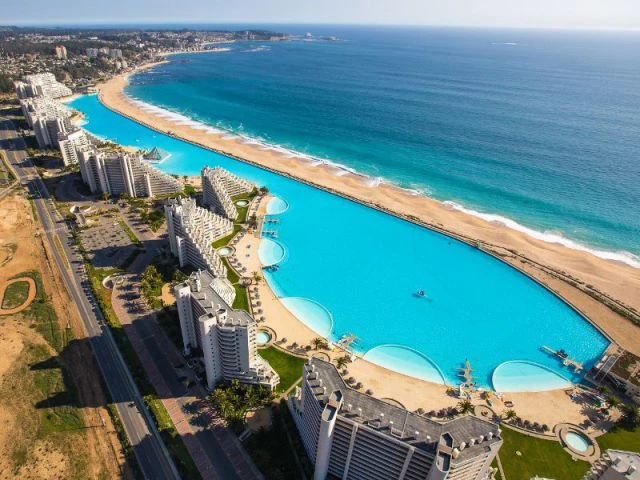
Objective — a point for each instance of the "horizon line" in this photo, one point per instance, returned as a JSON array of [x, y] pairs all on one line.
[[114, 24]]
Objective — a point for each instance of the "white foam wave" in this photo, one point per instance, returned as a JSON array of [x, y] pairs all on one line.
[[372, 182], [627, 258]]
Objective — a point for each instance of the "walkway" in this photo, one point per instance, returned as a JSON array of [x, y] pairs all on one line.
[[215, 450]]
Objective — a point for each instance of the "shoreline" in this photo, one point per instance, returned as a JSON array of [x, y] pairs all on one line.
[[412, 392], [511, 246]]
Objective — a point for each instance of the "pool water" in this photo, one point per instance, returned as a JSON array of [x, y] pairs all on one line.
[[224, 251], [352, 269], [577, 441], [270, 252], [262, 337], [277, 206], [242, 203], [519, 376]]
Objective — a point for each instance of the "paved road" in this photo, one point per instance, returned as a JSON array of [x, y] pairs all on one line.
[[151, 453], [215, 449]]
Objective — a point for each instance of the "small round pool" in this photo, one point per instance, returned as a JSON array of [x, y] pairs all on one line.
[[242, 203], [270, 252], [263, 337], [277, 206], [577, 442], [224, 251]]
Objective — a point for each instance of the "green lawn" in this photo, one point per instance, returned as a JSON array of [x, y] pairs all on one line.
[[287, 366], [241, 301], [15, 295], [221, 242], [242, 211], [621, 439], [544, 458]]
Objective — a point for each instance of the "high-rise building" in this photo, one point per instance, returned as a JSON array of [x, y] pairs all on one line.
[[348, 434], [226, 337], [118, 172], [218, 188], [61, 52], [92, 52], [41, 84], [192, 230], [71, 143], [47, 118], [115, 53]]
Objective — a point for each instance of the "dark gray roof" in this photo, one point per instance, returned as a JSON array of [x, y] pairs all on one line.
[[211, 302], [409, 427]]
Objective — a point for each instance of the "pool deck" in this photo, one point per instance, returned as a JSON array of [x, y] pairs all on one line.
[[550, 407]]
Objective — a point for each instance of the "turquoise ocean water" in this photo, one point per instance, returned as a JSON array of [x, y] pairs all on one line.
[[538, 129]]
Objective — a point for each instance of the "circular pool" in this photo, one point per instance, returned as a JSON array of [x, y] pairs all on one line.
[[277, 206], [270, 252], [242, 203], [525, 376], [263, 337], [224, 251], [577, 442], [313, 314]]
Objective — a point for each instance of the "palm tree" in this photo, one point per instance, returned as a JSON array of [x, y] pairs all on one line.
[[630, 416], [318, 343], [465, 407], [256, 277], [613, 401], [342, 361], [510, 415]]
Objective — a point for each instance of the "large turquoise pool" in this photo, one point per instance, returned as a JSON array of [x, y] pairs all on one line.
[[345, 268]]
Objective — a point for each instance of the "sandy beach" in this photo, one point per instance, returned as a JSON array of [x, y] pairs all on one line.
[[587, 281], [545, 407]]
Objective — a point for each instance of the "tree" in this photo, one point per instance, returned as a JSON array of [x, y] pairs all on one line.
[[342, 361], [105, 196], [510, 414], [264, 190], [179, 276], [613, 401], [466, 407], [630, 416], [256, 277], [318, 343]]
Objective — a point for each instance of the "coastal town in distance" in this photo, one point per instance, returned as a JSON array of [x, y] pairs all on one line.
[[182, 299]]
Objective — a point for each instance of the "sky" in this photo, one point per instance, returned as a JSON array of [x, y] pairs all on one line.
[[607, 14]]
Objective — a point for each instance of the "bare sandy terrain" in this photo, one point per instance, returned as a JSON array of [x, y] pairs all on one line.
[[90, 452]]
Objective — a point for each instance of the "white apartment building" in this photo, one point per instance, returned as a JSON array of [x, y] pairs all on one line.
[[61, 52], [118, 172], [41, 84], [348, 434], [192, 230], [218, 186], [71, 143], [226, 337], [92, 52], [47, 118]]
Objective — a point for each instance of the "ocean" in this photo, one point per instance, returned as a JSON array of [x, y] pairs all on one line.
[[536, 129]]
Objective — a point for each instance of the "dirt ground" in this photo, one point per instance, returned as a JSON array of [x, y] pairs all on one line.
[[27, 449]]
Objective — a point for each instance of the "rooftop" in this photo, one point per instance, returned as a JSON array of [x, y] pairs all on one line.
[[202, 288], [468, 433]]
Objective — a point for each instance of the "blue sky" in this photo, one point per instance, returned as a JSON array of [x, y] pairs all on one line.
[[506, 13]]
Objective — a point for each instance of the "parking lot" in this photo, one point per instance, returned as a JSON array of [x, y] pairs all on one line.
[[107, 244]]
